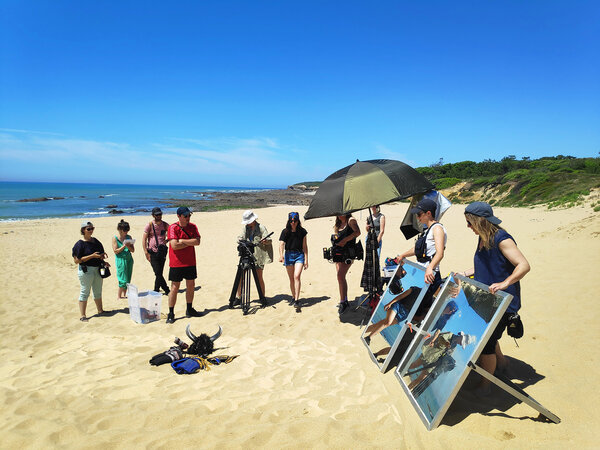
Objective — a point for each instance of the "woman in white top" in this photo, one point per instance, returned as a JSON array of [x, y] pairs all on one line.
[[431, 253]]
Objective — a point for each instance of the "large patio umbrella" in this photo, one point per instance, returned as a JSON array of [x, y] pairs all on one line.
[[360, 186], [364, 184]]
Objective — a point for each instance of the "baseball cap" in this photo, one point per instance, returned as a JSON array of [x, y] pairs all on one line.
[[184, 211], [156, 210], [483, 209], [424, 205]]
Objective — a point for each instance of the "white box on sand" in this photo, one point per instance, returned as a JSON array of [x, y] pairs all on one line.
[[144, 306], [389, 271]]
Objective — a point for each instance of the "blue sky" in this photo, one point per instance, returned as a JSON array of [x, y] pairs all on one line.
[[241, 93]]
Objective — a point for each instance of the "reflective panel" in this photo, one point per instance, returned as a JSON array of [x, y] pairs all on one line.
[[397, 307], [456, 329]]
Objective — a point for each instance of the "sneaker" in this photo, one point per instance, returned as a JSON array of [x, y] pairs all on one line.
[[83, 319], [171, 318], [191, 312], [297, 303], [342, 307]]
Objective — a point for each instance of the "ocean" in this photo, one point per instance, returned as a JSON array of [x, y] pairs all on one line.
[[94, 200]]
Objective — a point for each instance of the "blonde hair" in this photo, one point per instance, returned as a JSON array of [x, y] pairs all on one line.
[[484, 228]]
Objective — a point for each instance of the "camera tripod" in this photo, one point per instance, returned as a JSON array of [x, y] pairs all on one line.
[[246, 267]]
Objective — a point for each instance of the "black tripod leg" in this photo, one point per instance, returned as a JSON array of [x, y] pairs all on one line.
[[261, 295], [236, 283], [246, 291]]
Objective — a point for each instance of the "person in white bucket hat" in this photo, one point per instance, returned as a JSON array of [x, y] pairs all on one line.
[[256, 233]]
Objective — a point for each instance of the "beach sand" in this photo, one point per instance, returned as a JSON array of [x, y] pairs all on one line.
[[302, 379]]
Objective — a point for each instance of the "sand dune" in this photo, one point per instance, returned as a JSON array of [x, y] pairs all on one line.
[[302, 379]]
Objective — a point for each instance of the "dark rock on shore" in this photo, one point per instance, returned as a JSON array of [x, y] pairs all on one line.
[[40, 199], [214, 201], [115, 211]]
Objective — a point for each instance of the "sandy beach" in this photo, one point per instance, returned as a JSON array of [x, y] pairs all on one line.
[[302, 380]]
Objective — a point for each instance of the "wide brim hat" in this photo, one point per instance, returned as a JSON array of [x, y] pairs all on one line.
[[248, 217]]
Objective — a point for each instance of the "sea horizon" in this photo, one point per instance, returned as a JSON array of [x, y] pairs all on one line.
[[96, 199]]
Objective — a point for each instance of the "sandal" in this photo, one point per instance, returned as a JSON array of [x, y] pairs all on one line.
[[83, 319]]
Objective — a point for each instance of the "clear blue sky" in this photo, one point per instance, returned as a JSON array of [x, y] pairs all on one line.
[[269, 93]]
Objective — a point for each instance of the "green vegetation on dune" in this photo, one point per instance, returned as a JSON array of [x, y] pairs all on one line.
[[555, 181]]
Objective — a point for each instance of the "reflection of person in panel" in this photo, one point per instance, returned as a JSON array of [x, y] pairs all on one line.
[[433, 350], [500, 264], [429, 250]]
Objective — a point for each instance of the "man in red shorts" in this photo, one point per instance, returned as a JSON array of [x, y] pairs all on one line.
[[183, 237]]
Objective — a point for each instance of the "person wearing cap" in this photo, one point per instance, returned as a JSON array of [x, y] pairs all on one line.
[[500, 264], [429, 249], [293, 253], [183, 236], [256, 233], [154, 243], [88, 253]]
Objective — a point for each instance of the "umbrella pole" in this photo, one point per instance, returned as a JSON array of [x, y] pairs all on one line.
[[373, 236]]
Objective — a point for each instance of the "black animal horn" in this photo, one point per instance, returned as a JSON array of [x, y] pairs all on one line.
[[190, 334], [217, 334]]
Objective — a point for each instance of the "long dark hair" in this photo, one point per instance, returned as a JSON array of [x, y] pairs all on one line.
[[338, 222], [288, 225]]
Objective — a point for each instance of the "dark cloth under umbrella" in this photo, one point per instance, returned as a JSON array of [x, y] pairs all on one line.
[[371, 276], [365, 184]]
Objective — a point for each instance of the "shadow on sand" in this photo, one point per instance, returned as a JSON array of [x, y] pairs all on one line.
[[519, 376]]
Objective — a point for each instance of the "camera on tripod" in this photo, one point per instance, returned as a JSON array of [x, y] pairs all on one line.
[[245, 250]]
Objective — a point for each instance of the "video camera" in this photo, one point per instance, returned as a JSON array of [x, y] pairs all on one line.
[[344, 254]]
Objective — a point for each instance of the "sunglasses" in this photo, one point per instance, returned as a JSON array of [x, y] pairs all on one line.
[[89, 229]]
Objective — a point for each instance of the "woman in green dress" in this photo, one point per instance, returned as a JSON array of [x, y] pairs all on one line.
[[123, 248]]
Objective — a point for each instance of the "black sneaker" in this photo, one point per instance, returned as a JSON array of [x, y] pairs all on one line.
[[171, 318], [297, 303], [191, 312], [342, 307]]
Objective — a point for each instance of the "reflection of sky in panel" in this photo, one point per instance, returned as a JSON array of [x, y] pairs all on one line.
[[415, 276], [470, 323]]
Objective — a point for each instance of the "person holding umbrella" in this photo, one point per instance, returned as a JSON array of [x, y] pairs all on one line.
[[429, 249], [345, 233], [500, 264]]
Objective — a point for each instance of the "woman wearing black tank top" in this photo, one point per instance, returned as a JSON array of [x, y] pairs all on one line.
[[346, 231]]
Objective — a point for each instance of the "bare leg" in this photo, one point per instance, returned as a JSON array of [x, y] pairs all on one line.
[[98, 302], [297, 273], [501, 360], [82, 307], [290, 272], [382, 324], [342, 270], [189, 291], [173, 293], [259, 273], [488, 363]]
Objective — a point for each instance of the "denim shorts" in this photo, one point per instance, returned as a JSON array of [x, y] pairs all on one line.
[[292, 258]]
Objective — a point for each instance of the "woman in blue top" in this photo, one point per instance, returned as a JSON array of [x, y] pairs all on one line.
[[500, 264]]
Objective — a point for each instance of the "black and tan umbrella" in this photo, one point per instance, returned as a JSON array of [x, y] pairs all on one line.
[[365, 184]]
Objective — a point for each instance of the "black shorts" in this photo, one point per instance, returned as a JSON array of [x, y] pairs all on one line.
[[490, 347], [179, 273]]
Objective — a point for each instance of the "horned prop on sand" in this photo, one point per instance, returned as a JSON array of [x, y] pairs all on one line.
[[202, 345]]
